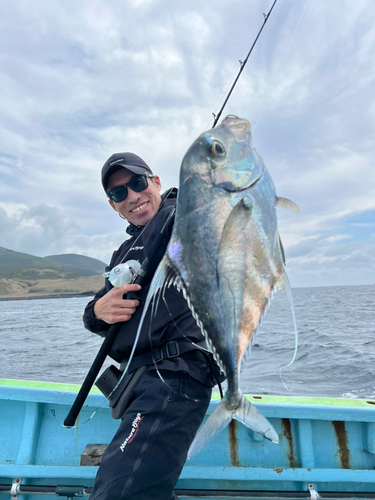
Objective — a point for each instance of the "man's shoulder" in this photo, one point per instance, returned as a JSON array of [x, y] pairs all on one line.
[[168, 198], [159, 219], [168, 202]]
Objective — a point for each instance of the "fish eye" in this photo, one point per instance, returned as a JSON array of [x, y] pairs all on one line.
[[217, 148]]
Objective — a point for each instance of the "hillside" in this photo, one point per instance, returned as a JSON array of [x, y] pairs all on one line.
[[25, 275], [15, 289], [80, 264], [18, 265]]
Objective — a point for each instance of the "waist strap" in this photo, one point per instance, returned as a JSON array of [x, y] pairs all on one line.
[[169, 350]]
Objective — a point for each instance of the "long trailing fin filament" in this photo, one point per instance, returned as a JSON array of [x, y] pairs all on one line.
[[288, 291]]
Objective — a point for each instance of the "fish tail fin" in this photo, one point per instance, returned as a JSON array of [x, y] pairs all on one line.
[[216, 422], [246, 413]]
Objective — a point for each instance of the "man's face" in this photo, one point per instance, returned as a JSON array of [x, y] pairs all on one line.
[[137, 208]]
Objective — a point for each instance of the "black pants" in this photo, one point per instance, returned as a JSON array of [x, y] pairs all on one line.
[[146, 456]]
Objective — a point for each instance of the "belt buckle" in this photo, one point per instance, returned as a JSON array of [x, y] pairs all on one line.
[[172, 350], [157, 354]]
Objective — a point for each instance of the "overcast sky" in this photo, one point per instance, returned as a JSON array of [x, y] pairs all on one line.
[[82, 80]]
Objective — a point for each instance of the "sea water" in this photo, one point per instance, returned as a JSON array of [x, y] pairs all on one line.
[[45, 340]]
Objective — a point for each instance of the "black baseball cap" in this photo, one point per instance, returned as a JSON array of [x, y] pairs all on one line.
[[130, 161]]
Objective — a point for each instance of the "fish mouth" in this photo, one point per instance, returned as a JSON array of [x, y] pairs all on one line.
[[239, 190], [240, 127], [227, 176]]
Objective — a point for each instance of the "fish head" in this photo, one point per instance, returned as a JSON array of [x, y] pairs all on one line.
[[224, 157]]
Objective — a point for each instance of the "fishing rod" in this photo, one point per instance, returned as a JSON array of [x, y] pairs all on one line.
[[105, 348], [242, 65], [107, 344], [98, 362]]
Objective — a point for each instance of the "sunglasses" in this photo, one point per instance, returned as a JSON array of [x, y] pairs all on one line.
[[137, 183]]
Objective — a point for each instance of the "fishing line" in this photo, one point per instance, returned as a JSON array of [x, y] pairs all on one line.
[[287, 50], [104, 404], [243, 64], [208, 126], [145, 227]]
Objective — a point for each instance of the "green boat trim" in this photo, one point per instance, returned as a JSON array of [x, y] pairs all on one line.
[[54, 386], [257, 398]]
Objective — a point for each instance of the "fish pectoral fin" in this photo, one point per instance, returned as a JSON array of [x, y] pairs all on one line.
[[215, 423], [286, 204], [248, 415]]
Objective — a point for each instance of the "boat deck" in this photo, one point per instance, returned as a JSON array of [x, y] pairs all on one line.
[[326, 446]]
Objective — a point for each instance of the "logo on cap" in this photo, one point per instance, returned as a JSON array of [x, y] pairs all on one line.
[[117, 161]]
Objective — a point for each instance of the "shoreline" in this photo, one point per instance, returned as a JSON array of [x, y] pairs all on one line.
[[50, 296]]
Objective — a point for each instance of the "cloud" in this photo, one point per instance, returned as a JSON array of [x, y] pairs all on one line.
[[45, 230], [80, 81], [320, 258]]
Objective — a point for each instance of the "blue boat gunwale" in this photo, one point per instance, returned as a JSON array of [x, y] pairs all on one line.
[[315, 408], [37, 400]]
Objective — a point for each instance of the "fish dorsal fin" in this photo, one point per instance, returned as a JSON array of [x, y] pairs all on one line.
[[286, 204]]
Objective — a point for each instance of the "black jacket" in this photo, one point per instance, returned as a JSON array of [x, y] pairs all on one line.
[[173, 319]]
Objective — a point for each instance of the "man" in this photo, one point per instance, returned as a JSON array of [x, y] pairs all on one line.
[[166, 407]]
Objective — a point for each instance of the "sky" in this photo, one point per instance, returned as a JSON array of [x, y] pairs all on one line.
[[82, 80]]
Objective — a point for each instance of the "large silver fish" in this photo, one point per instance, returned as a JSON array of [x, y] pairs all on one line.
[[226, 257]]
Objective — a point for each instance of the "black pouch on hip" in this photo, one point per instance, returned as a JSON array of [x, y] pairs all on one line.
[[119, 399]]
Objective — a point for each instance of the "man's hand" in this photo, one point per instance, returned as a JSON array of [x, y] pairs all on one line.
[[113, 308]]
